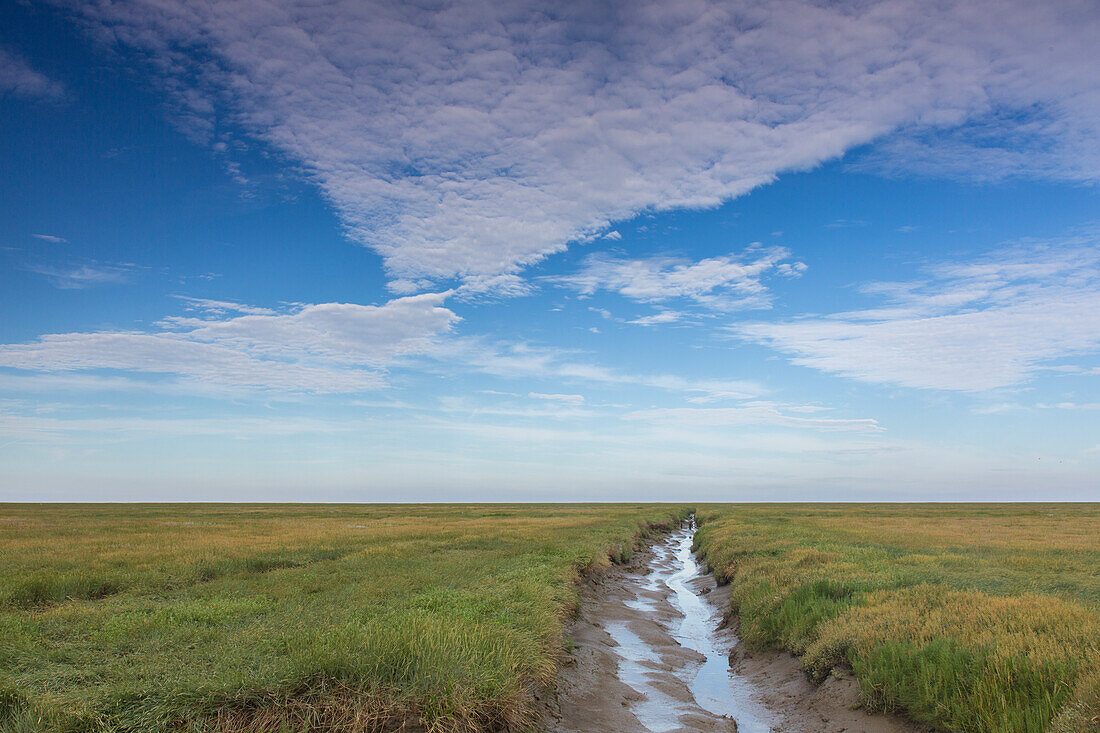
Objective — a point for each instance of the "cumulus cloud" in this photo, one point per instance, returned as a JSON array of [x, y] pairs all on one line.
[[993, 322], [322, 348], [474, 138], [727, 283], [19, 79]]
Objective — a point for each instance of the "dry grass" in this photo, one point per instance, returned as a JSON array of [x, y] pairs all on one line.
[[968, 618], [291, 618]]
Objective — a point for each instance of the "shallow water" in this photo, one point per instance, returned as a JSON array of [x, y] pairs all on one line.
[[657, 711], [694, 625]]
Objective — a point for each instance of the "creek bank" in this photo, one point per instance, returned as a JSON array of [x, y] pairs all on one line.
[[649, 656]]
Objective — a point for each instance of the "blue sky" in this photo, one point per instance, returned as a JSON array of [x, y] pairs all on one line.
[[504, 251]]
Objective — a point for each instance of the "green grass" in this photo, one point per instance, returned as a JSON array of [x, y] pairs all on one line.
[[291, 618], [313, 617], [971, 618]]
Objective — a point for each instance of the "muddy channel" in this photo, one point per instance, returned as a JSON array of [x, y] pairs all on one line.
[[650, 655]]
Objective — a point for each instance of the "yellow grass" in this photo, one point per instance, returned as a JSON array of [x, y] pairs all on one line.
[[969, 618]]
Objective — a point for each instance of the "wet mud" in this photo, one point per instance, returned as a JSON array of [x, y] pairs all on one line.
[[649, 655]]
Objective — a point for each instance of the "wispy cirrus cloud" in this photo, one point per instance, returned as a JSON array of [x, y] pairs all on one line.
[[657, 319], [221, 307], [36, 428], [475, 138], [89, 274], [566, 399], [727, 283], [50, 237], [970, 326], [1044, 141], [19, 79], [520, 360], [752, 413]]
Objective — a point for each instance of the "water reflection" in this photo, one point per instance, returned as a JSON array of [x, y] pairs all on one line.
[[715, 687]]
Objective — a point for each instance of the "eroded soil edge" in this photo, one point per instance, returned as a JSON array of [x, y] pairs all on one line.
[[636, 666]]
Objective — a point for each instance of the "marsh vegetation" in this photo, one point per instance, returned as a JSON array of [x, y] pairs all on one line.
[[976, 618], [981, 618], [265, 618]]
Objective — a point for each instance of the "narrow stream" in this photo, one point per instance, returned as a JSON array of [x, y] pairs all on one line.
[[694, 623]]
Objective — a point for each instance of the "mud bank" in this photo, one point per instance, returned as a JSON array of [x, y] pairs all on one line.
[[649, 656]]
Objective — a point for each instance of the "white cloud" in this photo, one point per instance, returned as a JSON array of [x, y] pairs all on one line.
[[613, 235], [520, 360], [49, 237], [78, 277], [559, 407], [323, 348], [716, 396], [489, 287], [201, 363], [999, 408], [990, 323], [791, 269], [658, 318], [567, 399], [753, 413], [18, 78], [474, 138], [1070, 406], [221, 307], [726, 283], [1045, 142], [27, 427]]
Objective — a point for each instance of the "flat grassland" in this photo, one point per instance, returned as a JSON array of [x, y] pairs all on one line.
[[333, 617], [964, 617], [291, 617]]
